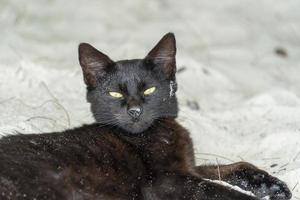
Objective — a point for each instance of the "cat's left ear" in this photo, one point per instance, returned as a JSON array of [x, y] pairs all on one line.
[[94, 63], [164, 55]]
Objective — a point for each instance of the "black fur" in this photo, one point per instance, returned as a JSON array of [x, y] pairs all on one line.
[[120, 157], [131, 78]]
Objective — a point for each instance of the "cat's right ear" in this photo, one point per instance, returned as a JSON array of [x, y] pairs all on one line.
[[94, 63], [163, 55]]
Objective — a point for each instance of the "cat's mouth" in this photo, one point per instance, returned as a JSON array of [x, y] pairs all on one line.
[[136, 127]]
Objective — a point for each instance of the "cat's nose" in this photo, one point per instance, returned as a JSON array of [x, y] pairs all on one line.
[[135, 111]]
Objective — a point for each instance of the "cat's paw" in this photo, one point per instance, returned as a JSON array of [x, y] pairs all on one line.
[[266, 186], [260, 183]]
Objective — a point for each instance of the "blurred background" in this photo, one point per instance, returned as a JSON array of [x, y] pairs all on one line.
[[238, 70]]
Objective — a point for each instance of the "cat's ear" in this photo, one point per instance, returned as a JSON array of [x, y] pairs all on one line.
[[93, 63], [163, 55]]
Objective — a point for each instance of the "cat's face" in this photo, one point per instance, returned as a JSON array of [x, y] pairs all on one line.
[[131, 94]]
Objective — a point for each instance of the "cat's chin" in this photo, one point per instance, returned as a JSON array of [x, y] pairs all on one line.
[[136, 128]]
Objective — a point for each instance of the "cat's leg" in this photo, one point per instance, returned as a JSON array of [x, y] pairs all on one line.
[[181, 187], [247, 177]]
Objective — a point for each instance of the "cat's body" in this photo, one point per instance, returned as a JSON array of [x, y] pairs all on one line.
[[136, 150], [71, 165], [90, 162]]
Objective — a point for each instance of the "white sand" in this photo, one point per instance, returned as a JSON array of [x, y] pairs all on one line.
[[248, 96]]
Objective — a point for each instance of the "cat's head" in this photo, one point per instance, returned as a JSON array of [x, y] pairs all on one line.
[[131, 94]]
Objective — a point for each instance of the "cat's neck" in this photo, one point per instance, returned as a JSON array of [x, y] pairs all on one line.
[[159, 127]]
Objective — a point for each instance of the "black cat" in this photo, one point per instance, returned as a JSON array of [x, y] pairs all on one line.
[[135, 151]]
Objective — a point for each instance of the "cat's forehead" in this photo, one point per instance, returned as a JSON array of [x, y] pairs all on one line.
[[129, 70], [129, 65]]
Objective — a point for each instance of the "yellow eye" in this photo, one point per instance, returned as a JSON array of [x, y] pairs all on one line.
[[116, 94], [149, 91]]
